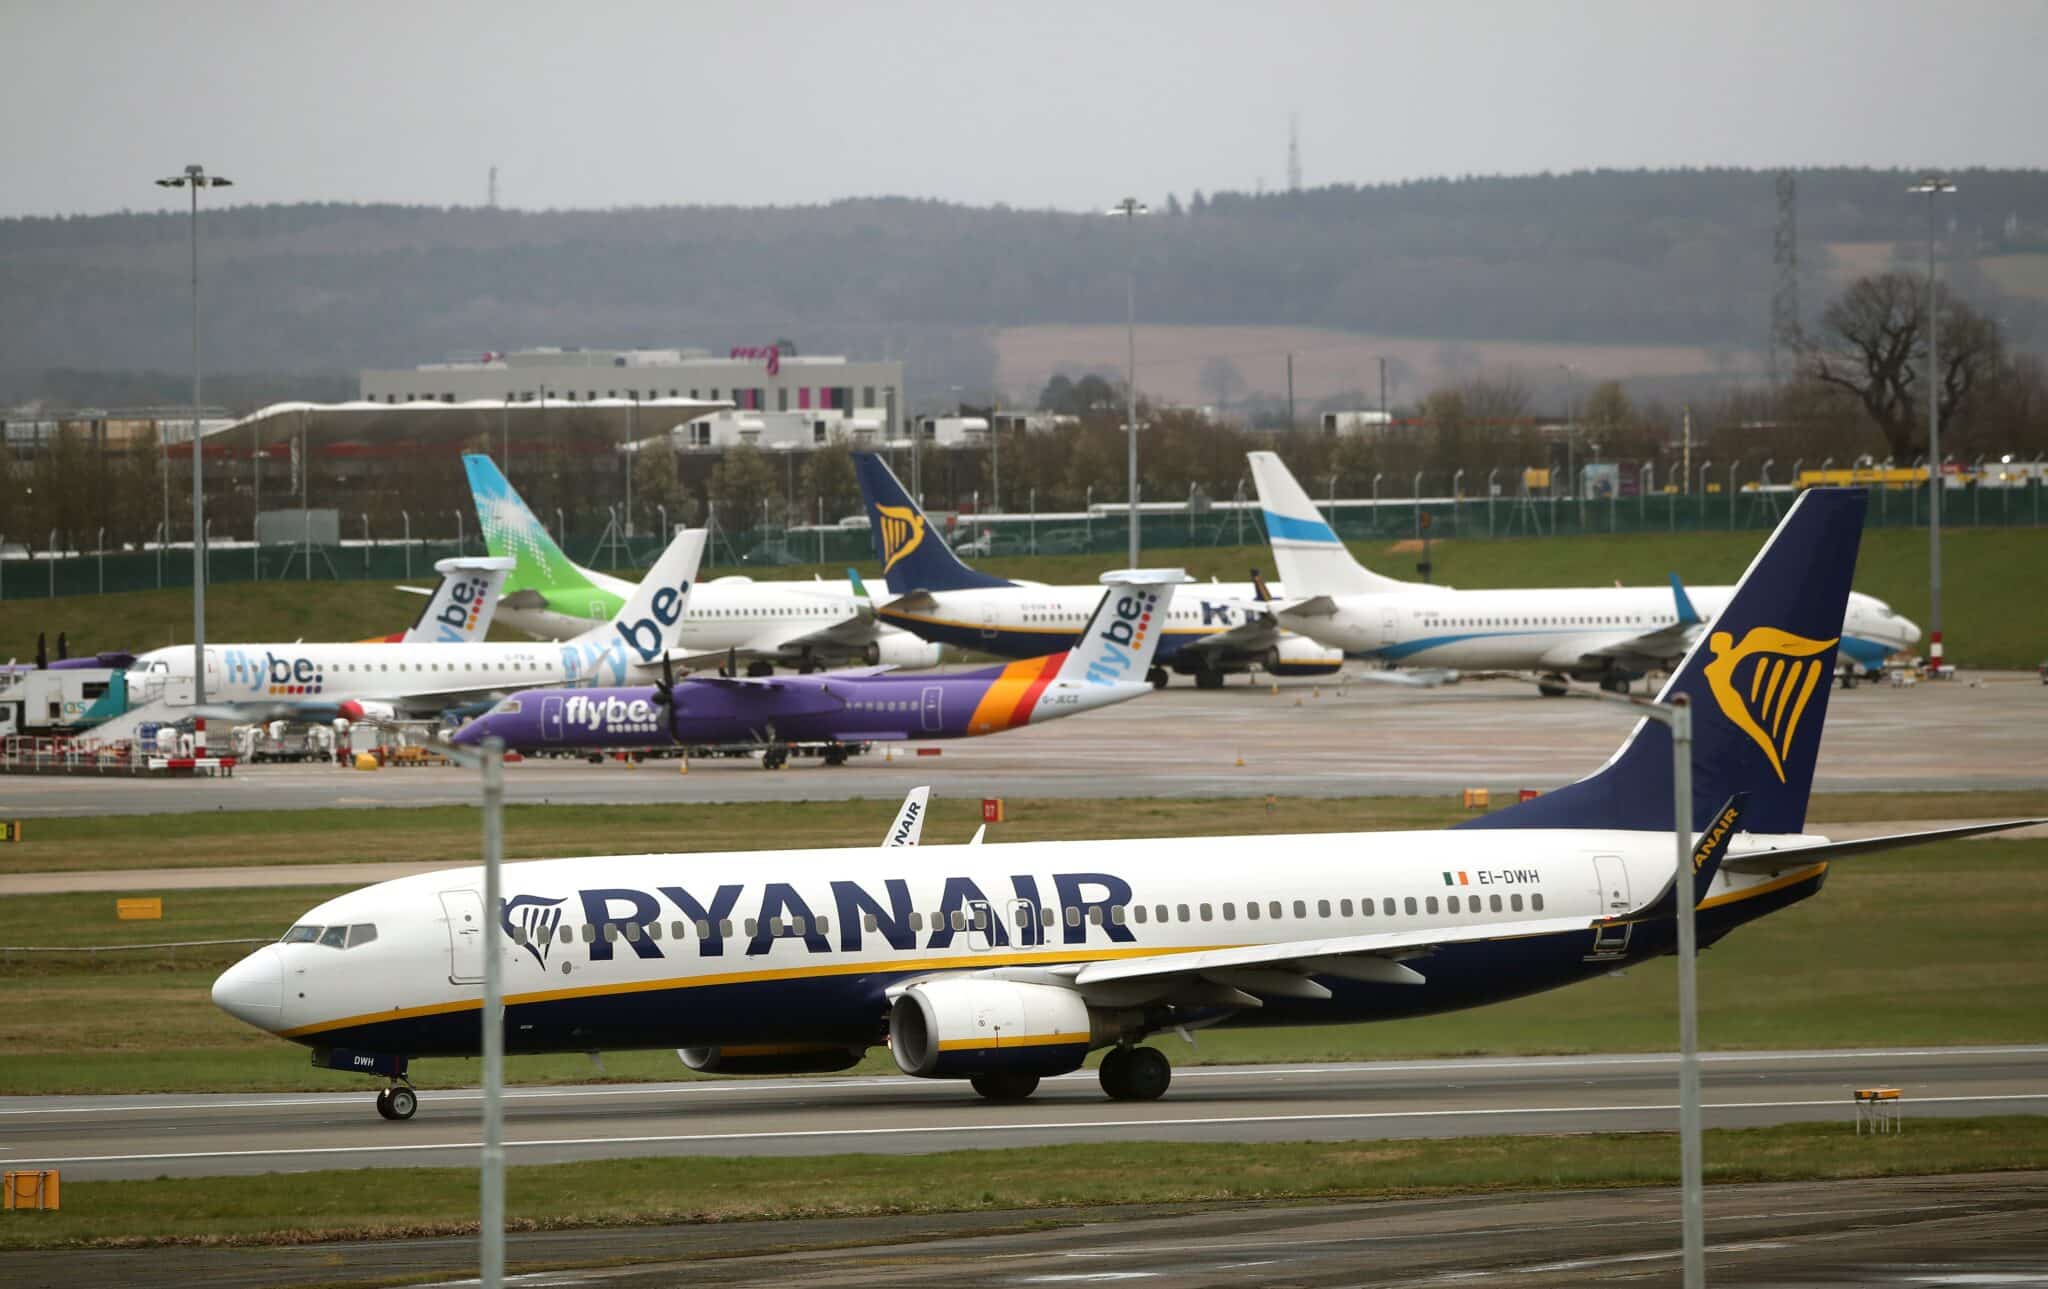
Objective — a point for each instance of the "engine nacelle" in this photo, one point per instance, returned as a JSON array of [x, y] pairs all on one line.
[[949, 1029], [902, 649], [770, 1058], [1301, 656], [357, 709]]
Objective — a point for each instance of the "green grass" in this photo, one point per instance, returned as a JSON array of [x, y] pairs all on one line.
[[1935, 945], [1988, 620], [452, 834], [415, 1202]]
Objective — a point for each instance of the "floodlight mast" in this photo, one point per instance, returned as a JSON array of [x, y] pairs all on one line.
[[195, 178], [1933, 186], [1130, 208]]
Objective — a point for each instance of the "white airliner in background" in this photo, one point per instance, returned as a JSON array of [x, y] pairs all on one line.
[[806, 625], [1604, 633], [1212, 631], [378, 680], [1006, 964]]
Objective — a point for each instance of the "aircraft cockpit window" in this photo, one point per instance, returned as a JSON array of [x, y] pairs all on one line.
[[335, 937], [509, 707], [361, 933], [301, 935]]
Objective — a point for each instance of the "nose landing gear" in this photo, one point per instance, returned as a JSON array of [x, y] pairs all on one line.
[[398, 1102]]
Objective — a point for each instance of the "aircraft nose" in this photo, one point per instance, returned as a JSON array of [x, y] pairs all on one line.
[[471, 733], [1909, 630], [252, 991]]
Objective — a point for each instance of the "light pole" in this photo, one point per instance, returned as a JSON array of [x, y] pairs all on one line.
[[195, 178], [1933, 186], [1130, 208], [458, 530]]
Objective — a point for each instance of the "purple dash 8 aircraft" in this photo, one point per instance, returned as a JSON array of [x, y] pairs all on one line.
[[1611, 634], [1005, 964], [379, 680], [1107, 666], [1213, 630]]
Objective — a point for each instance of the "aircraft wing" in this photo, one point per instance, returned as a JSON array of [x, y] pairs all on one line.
[[1259, 633], [1659, 648], [1315, 606], [1771, 862], [847, 633]]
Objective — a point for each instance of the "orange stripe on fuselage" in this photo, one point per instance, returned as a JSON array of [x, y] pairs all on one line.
[[1022, 712], [999, 704]]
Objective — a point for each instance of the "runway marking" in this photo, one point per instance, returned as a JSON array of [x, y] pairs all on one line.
[[900, 1082], [1094, 1125]]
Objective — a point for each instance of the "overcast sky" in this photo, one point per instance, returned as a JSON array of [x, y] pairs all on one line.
[[647, 102]]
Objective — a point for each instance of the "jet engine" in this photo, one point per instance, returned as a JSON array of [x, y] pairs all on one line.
[[356, 709], [902, 649], [1301, 656], [770, 1058], [961, 1027]]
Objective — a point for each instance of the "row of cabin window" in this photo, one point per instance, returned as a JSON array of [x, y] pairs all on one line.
[[1119, 915], [1569, 620], [435, 666]]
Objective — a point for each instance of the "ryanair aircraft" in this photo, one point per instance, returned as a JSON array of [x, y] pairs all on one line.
[[1002, 965]]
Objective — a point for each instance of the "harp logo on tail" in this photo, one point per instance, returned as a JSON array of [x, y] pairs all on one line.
[[1762, 685], [902, 533]]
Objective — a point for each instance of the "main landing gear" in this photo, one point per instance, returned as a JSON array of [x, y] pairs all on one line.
[[1004, 1085], [1156, 677], [398, 1102], [1552, 687], [1135, 1073]]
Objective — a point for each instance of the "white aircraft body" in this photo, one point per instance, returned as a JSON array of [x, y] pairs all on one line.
[[379, 680], [1608, 634], [1213, 629], [808, 625], [1006, 964]]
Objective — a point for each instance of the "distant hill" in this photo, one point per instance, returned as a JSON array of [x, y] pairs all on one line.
[[1648, 257]]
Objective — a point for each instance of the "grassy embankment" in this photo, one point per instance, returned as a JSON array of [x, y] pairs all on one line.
[[1990, 621], [414, 1202], [1935, 945]]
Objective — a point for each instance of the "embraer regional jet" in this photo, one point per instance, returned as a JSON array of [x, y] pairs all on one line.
[[1002, 965], [376, 680], [1611, 634]]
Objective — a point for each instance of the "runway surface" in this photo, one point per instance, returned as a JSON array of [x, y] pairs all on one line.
[[185, 1135], [1968, 1230], [1308, 739]]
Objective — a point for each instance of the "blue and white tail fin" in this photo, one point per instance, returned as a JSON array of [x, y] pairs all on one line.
[[648, 625], [1757, 682], [914, 558], [462, 606], [1310, 558], [1122, 637], [511, 529]]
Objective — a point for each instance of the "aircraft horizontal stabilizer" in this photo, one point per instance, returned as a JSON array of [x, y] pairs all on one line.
[[1779, 861]]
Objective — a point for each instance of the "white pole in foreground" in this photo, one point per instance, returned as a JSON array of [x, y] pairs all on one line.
[[491, 1225], [1692, 1208]]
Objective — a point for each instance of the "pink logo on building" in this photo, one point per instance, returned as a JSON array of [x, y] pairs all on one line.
[[773, 353]]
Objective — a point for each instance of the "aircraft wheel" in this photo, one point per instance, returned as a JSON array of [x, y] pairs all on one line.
[[1552, 688], [1208, 678], [1147, 1075], [1005, 1085], [399, 1103], [1112, 1075], [1614, 684], [835, 755], [757, 670], [384, 1103], [1157, 676]]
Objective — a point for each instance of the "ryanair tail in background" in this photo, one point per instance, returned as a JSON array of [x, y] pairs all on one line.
[[510, 529], [914, 557], [1757, 682], [1310, 558]]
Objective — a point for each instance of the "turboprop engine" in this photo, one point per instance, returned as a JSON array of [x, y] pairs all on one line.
[[958, 1028]]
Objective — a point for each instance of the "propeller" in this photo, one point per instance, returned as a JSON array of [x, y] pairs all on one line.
[[665, 692]]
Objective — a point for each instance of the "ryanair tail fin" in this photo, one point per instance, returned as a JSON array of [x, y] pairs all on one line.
[[914, 558], [1310, 558], [1757, 682], [511, 529]]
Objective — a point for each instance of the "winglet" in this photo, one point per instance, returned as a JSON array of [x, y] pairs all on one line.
[[1260, 589], [1707, 854], [1687, 615]]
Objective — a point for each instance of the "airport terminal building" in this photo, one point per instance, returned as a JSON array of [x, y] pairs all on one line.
[[774, 394]]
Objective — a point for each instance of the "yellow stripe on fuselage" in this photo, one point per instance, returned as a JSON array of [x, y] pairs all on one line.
[[1002, 1041]]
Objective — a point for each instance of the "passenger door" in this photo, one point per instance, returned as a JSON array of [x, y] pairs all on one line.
[[1610, 877], [465, 913], [551, 720], [932, 696]]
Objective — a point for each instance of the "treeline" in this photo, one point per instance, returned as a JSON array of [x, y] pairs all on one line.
[[1648, 256]]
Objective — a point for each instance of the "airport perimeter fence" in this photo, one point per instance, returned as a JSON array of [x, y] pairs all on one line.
[[1104, 532]]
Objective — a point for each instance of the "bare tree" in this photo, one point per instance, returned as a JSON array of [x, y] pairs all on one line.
[[1873, 344]]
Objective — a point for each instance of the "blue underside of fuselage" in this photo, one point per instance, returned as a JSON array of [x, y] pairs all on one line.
[[853, 1008]]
